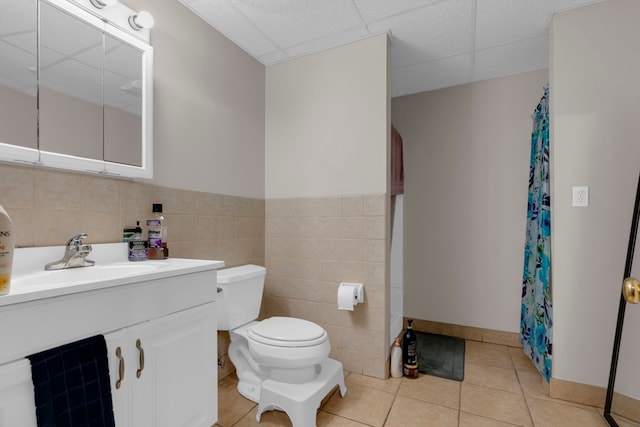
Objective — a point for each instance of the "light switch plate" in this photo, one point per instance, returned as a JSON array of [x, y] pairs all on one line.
[[580, 197]]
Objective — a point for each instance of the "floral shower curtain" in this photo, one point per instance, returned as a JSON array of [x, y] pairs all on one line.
[[536, 325]]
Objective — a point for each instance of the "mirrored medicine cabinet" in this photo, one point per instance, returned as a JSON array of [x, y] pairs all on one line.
[[75, 90]]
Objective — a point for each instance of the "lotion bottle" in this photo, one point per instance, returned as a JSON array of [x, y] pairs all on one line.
[[6, 251], [396, 359]]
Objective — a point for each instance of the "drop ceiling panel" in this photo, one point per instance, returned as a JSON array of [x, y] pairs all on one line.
[[224, 17], [513, 58], [511, 21], [330, 40], [289, 23], [432, 75], [438, 31], [376, 10], [435, 43]]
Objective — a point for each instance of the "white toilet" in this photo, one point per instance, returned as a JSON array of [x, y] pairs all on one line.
[[281, 362]]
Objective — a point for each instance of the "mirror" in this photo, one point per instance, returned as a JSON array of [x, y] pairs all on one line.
[[18, 79], [89, 103], [70, 85], [622, 405], [122, 102]]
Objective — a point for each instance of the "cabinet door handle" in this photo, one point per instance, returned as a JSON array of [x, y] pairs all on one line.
[[141, 351], [120, 367]]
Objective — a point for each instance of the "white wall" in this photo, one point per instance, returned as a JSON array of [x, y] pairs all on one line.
[[326, 213], [208, 106], [595, 95], [326, 122], [396, 268], [466, 166]]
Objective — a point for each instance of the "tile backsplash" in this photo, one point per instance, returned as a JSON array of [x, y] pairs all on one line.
[[313, 244], [47, 207], [309, 245]]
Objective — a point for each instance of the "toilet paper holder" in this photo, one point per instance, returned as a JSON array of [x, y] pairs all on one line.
[[355, 293]]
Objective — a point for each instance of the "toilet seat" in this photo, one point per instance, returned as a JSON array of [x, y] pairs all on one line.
[[287, 332]]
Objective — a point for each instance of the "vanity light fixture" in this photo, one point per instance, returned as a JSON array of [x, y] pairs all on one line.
[[103, 3], [140, 20]]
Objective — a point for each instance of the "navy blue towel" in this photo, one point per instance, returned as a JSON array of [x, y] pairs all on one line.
[[71, 385]]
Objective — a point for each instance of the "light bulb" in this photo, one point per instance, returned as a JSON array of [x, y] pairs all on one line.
[[141, 20], [103, 3]]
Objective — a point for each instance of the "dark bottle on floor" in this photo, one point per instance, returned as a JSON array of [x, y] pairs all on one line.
[[410, 352]]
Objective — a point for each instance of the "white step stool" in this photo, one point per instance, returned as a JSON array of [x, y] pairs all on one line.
[[301, 401]]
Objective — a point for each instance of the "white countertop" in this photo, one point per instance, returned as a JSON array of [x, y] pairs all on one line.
[[29, 281]]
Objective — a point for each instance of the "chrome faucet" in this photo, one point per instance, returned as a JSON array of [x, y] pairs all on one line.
[[75, 254]]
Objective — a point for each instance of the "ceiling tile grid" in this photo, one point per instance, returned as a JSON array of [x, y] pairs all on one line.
[[434, 43], [289, 23], [502, 21], [377, 10], [432, 75], [224, 17], [512, 58], [336, 39], [433, 32]]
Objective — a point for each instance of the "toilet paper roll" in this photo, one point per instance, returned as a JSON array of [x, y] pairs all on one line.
[[346, 297]]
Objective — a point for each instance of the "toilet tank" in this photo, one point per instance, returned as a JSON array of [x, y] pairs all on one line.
[[239, 295]]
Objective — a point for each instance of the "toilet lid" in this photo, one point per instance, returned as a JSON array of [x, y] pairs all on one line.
[[287, 332]]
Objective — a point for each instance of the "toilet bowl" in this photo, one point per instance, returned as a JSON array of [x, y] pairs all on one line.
[[280, 349], [259, 353]]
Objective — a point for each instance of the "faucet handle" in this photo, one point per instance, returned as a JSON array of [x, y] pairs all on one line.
[[75, 240]]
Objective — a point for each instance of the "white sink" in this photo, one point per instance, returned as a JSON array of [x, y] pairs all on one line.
[[30, 281], [71, 276]]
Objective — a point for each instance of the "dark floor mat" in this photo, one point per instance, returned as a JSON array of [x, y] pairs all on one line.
[[440, 355]]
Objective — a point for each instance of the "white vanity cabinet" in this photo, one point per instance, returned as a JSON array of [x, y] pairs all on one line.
[[163, 311], [16, 395], [163, 372]]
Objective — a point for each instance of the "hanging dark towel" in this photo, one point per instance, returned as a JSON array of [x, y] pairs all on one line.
[[71, 385]]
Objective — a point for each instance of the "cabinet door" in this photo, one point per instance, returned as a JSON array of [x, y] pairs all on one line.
[[177, 384], [17, 405], [120, 365], [170, 373]]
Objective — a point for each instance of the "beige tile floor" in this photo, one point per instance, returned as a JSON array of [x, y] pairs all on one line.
[[501, 388]]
